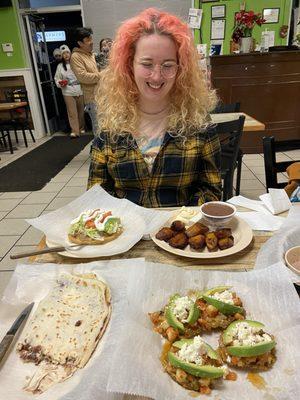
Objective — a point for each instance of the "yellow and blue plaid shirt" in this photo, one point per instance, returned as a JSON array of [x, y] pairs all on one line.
[[183, 173]]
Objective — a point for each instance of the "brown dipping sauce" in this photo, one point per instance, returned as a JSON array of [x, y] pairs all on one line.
[[218, 210]]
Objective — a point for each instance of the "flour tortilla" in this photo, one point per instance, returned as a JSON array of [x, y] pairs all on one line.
[[65, 329]]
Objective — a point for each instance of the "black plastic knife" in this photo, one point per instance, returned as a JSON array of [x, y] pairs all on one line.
[[9, 337]]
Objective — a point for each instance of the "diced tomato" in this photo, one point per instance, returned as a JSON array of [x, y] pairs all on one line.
[[90, 224]]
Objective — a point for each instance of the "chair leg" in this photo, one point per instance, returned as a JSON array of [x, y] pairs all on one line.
[[16, 136], [3, 138], [227, 187], [10, 144], [238, 176], [32, 137], [24, 136]]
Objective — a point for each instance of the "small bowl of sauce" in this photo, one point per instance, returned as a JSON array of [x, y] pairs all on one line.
[[217, 213], [292, 259]]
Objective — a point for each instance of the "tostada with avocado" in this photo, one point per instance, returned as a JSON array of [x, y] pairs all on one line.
[[179, 319], [219, 306], [245, 344], [188, 316], [195, 365]]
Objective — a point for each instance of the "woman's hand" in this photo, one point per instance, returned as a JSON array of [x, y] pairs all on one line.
[[63, 82]]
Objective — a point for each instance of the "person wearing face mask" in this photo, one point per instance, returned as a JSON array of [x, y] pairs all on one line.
[[157, 147], [84, 65], [72, 93], [103, 56]]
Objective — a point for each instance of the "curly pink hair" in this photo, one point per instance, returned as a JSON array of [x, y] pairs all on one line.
[[117, 92]]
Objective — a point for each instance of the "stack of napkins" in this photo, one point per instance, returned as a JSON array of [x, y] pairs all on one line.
[[263, 217]]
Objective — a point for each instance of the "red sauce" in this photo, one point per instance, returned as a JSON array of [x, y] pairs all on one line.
[[218, 210]]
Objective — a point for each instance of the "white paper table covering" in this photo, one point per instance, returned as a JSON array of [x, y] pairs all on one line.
[[260, 221], [288, 236], [32, 283], [137, 221], [277, 200], [268, 296]]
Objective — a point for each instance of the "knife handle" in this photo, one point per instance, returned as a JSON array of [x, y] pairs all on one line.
[[37, 252], [4, 345]]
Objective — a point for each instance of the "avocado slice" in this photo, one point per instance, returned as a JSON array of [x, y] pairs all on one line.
[[174, 321], [250, 351], [203, 371], [224, 308], [246, 351], [210, 351], [193, 314]]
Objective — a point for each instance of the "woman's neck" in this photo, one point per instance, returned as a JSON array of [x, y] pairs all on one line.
[[152, 108]]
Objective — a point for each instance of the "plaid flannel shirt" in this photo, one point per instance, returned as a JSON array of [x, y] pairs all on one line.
[[183, 173]]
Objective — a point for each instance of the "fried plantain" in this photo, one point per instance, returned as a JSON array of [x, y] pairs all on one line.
[[211, 241], [225, 243], [197, 242], [196, 229], [223, 233], [178, 226], [179, 241], [165, 234]]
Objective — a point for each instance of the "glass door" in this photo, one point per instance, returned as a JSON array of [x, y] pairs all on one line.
[[35, 30]]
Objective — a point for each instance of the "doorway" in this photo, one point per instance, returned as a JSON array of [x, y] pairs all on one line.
[[45, 32]]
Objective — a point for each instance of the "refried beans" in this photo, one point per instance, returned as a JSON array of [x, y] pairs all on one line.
[[219, 210]]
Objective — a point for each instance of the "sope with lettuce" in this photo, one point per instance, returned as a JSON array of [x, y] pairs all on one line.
[[95, 227]]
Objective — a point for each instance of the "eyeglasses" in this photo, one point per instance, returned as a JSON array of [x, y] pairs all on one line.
[[168, 69]]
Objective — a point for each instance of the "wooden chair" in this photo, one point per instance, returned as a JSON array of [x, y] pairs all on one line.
[[227, 108], [230, 108], [21, 122], [5, 134], [230, 134], [271, 147]]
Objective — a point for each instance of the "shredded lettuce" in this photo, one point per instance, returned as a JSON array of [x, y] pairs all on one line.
[[110, 227]]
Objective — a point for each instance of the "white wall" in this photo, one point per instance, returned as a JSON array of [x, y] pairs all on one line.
[[105, 16]]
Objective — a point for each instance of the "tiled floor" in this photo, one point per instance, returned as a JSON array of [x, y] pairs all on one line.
[[17, 236]]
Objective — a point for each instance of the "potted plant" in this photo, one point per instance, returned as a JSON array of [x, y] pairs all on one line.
[[242, 31]]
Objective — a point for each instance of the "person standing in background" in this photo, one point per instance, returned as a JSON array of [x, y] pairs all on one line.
[[72, 93], [84, 65], [102, 57], [57, 55]]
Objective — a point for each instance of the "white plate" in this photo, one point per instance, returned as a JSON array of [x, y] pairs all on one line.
[[133, 230], [241, 232]]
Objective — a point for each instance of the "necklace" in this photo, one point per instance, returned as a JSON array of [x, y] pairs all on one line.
[[155, 113]]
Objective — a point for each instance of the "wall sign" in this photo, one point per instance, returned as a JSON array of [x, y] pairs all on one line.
[[218, 11], [217, 29], [271, 15]]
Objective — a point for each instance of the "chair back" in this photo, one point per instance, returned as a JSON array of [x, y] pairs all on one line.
[[227, 108], [230, 134], [17, 95], [271, 147]]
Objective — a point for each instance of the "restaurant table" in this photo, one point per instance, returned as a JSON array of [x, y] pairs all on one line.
[[9, 107], [12, 106], [241, 261], [251, 124], [244, 260]]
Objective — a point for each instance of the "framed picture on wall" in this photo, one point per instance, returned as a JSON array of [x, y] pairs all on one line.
[[271, 15], [217, 29], [218, 11]]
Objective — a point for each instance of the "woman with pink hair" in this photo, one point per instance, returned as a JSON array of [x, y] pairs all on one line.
[[156, 146]]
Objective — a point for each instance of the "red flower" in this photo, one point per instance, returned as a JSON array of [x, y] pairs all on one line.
[[244, 23]]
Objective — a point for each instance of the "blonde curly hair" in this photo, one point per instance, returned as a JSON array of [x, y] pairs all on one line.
[[117, 95]]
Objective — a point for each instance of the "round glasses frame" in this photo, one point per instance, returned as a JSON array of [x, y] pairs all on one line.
[[168, 71]]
